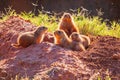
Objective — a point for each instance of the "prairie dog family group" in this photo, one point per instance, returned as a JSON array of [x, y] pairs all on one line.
[[63, 40], [67, 36]]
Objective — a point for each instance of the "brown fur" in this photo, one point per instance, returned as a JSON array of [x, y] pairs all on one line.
[[85, 40], [63, 40], [28, 38], [67, 24]]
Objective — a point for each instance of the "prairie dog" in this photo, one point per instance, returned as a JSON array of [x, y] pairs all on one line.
[[67, 24], [63, 40], [85, 40], [28, 38]]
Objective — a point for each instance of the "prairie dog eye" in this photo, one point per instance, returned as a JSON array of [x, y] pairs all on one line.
[[75, 34], [59, 32], [43, 27]]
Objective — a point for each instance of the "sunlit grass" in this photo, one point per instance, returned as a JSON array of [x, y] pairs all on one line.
[[87, 25], [41, 19]]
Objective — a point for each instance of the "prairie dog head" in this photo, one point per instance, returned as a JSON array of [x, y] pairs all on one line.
[[61, 38], [59, 34], [41, 30], [66, 17], [76, 37]]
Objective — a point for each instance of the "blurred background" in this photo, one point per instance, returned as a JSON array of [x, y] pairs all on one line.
[[107, 9]]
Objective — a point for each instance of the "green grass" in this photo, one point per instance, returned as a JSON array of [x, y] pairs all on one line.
[[41, 19], [86, 25]]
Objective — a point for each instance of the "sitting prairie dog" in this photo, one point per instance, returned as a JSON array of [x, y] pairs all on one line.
[[67, 24], [85, 40], [63, 40], [28, 38]]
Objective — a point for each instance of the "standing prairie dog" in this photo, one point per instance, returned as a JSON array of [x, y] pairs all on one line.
[[85, 40], [67, 24], [28, 38], [63, 40]]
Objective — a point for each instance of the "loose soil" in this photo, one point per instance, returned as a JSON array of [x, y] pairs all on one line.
[[47, 61]]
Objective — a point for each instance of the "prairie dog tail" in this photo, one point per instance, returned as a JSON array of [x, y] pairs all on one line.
[[15, 45]]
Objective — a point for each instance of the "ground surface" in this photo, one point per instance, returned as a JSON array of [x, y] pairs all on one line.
[[50, 62]]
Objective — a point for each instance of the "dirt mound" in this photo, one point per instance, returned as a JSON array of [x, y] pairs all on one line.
[[104, 57], [47, 61]]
